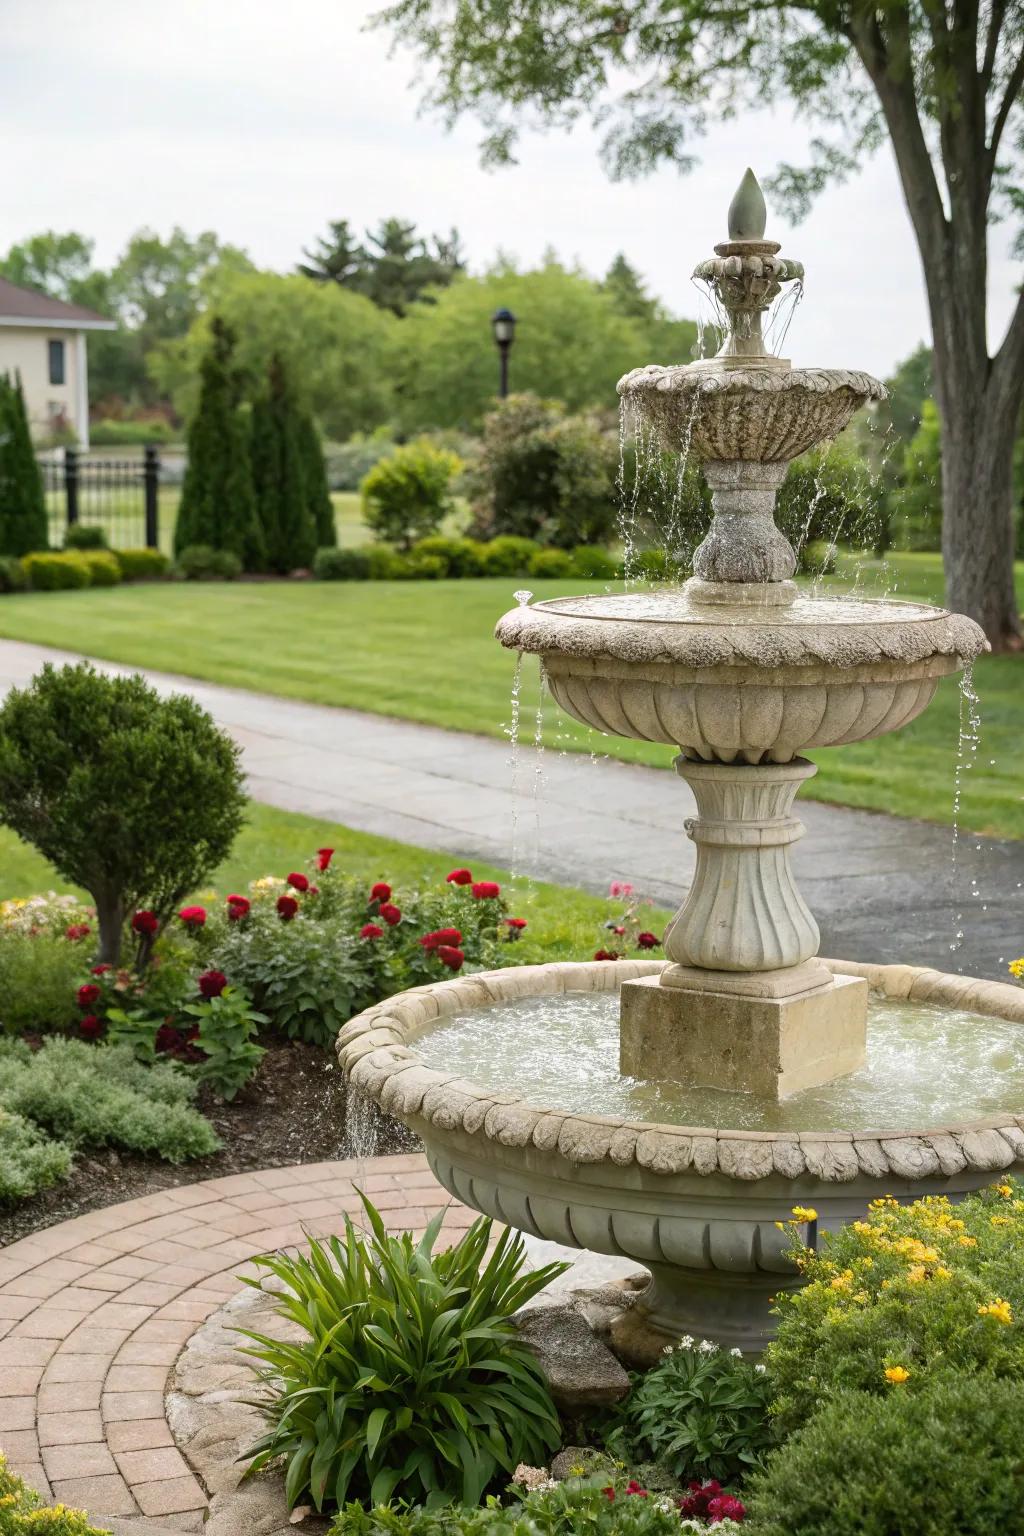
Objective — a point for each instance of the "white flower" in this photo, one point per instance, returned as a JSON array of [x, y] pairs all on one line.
[[760, 1369], [707, 1347], [686, 1342], [737, 1354]]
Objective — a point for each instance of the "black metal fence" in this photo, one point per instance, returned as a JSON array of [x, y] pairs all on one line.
[[119, 495]]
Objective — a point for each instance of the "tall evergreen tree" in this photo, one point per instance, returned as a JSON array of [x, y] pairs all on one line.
[[394, 268], [218, 507], [23, 524], [314, 473], [288, 527]]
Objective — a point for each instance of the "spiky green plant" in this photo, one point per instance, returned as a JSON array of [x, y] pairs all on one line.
[[410, 1380]]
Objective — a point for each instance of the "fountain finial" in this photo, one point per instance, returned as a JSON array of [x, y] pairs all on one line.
[[748, 214]]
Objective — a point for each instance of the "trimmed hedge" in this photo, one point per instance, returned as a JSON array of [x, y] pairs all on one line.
[[142, 564], [56, 572], [438, 557]]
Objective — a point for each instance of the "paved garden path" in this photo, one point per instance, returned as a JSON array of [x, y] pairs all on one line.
[[95, 1311], [882, 888]]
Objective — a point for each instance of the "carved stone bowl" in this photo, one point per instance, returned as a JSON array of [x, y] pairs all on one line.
[[741, 684], [696, 1205], [767, 414]]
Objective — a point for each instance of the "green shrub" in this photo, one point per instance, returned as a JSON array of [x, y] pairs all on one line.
[[22, 1512], [29, 1162], [652, 565], [100, 1096], [947, 1461], [407, 496], [552, 563], [341, 565], [200, 562], [928, 1288], [23, 520], [37, 981], [410, 1379], [826, 497], [12, 574], [702, 1412], [386, 564], [421, 566], [85, 536], [142, 564], [56, 572], [227, 1024], [591, 562], [130, 434], [461, 557], [817, 558], [103, 567], [133, 797], [577, 1507], [350, 463], [507, 555]]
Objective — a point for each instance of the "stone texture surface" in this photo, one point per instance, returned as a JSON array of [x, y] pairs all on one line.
[[582, 1372]]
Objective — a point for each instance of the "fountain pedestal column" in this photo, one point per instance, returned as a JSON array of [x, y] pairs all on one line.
[[745, 1006]]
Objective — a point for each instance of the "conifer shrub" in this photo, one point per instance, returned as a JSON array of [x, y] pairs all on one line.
[[281, 471], [12, 574], [314, 473], [23, 522]]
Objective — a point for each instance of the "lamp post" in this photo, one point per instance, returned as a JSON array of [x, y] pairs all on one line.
[[503, 323]]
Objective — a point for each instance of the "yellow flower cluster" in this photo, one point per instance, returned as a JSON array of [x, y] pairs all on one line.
[[999, 1309], [896, 1375], [1016, 968], [804, 1213]]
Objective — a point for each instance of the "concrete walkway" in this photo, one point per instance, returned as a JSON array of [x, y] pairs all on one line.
[[881, 888]]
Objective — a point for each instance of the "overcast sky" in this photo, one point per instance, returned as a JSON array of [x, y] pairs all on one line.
[[263, 120]]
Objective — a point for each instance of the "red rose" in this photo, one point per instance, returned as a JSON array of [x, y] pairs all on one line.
[[371, 931], [609, 1493], [635, 1488], [88, 994], [314, 890], [89, 1027], [695, 1504], [287, 907], [725, 1507], [145, 922], [441, 936], [212, 983], [605, 954], [460, 877], [518, 923], [101, 969], [323, 858], [193, 917], [485, 890], [390, 914], [238, 907], [167, 1038], [453, 958], [381, 891], [77, 931], [298, 882], [647, 941]]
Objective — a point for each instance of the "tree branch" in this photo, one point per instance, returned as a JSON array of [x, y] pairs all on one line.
[[1010, 99], [995, 26], [1007, 377]]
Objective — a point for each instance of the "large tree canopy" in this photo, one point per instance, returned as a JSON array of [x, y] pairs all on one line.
[[941, 79]]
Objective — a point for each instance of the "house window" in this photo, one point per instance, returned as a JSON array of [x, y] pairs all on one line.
[[56, 353]]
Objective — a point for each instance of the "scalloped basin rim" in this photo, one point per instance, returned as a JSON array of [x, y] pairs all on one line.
[[678, 377], [374, 1051]]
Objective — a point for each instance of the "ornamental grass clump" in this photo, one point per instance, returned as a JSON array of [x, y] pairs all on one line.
[[409, 1379]]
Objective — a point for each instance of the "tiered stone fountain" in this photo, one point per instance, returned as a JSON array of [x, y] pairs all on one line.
[[741, 673]]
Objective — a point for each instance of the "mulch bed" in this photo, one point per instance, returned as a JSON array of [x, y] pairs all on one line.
[[294, 1111]]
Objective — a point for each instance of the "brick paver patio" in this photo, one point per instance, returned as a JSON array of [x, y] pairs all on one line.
[[94, 1312]]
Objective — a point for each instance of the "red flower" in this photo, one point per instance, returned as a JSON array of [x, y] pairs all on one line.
[[298, 882], [77, 931], [212, 983], [88, 994], [725, 1507], [605, 954], [441, 936], [485, 890], [90, 1026], [371, 931], [390, 914], [193, 917], [101, 969], [518, 923], [167, 1038], [287, 907], [145, 922], [695, 1504], [453, 958], [460, 877], [647, 941], [323, 858], [609, 1493], [238, 907], [634, 1487], [381, 891]]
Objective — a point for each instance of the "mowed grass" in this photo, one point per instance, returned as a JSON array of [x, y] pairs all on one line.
[[562, 924], [425, 651]]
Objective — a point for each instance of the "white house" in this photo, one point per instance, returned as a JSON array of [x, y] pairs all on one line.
[[43, 339]]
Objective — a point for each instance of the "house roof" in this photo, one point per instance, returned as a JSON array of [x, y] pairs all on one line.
[[24, 306]]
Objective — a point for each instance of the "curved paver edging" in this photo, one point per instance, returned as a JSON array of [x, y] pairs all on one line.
[[374, 1051]]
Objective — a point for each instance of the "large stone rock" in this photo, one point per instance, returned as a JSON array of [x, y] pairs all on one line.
[[581, 1371]]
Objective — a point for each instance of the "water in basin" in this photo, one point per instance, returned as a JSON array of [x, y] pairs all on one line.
[[927, 1066], [672, 605]]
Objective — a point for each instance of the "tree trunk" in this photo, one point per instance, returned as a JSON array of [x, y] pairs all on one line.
[[110, 917], [978, 520]]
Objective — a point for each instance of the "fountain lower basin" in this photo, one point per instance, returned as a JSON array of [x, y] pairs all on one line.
[[695, 1204]]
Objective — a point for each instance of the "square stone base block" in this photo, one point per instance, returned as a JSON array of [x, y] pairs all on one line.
[[774, 1046]]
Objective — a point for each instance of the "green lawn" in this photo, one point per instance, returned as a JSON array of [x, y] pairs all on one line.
[[562, 924], [425, 651]]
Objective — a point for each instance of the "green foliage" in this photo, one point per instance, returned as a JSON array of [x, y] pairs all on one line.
[[578, 1507], [410, 1379], [29, 1161], [592, 562], [130, 434], [544, 475], [57, 572], [100, 1096], [12, 574], [827, 498], [350, 463], [142, 564], [200, 562], [226, 1026], [314, 475], [217, 505], [507, 555], [408, 496], [461, 557], [948, 1459], [902, 1291], [22, 1512], [23, 525], [289, 532], [103, 566], [85, 536], [394, 268], [551, 563], [132, 797], [701, 1412], [37, 981], [341, 565], [917, 503]]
